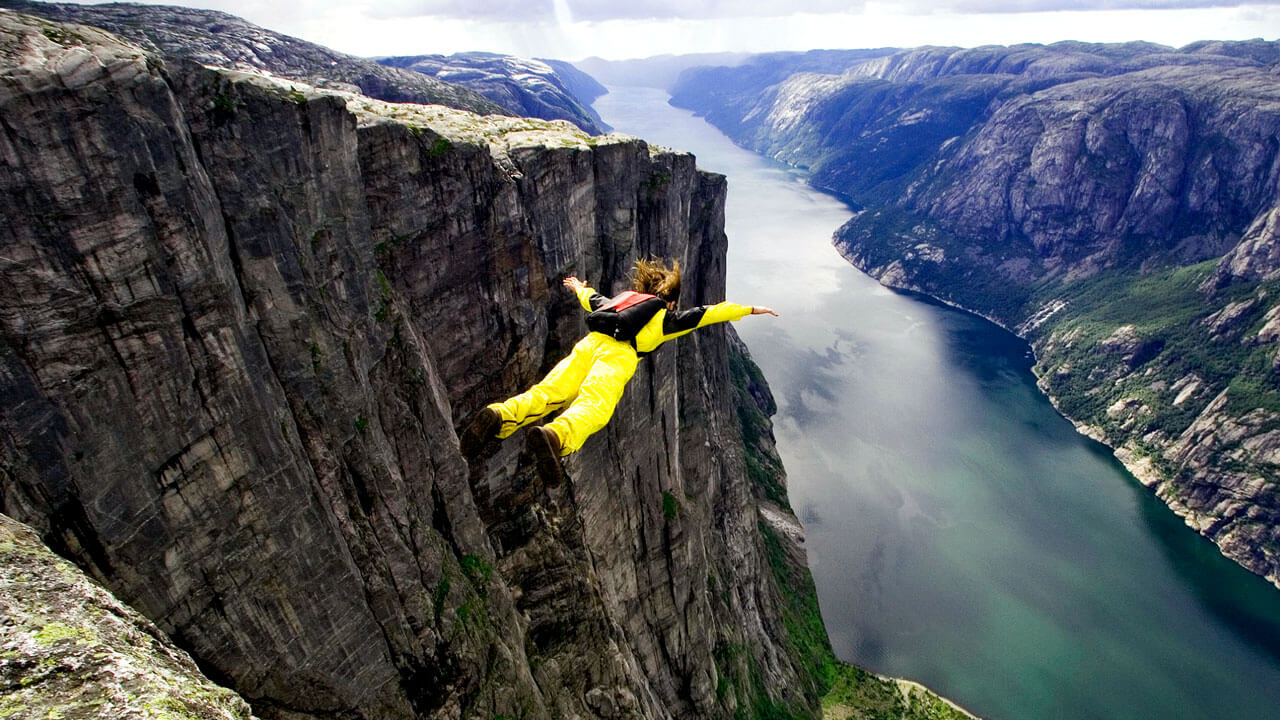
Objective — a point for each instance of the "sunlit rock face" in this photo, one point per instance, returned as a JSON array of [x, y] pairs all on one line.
[[70, 649], [1114, 204], [240, 318]]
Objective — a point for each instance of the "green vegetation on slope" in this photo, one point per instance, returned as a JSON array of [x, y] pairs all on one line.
[[859, 695], [1173, 337]]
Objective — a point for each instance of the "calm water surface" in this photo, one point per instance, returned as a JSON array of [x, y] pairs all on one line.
[[960, 532]]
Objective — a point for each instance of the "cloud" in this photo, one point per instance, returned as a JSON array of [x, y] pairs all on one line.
[[604, 10], [971, 7], [486, 10], [542, 28]]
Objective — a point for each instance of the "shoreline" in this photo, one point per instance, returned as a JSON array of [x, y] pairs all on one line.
[[1140, 468]]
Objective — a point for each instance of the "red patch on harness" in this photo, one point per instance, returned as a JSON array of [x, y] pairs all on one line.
[[625, 299]]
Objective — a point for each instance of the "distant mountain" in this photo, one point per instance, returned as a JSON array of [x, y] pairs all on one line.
[[532, 88], [1117, 205], [658, 71], [215, 38], [581, 85]]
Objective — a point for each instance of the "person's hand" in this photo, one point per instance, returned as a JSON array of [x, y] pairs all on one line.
[[573, 283], [762, 310]]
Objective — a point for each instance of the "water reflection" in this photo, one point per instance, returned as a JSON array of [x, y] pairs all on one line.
[[960, 532]]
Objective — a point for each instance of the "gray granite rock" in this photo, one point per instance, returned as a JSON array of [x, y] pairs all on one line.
[[532, 88], [480, 82], [68, 649], [239, 320]]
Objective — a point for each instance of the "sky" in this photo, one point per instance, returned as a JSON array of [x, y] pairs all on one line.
[[620, 29]]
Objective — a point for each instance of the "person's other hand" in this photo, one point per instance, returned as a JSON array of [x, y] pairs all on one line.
[[573, 283], [762, 310]]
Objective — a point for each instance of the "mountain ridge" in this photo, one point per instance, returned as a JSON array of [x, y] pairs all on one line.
[[530, 88], [1112, 204], [220, 39]]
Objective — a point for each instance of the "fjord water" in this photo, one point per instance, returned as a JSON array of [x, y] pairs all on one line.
[[960, 532]]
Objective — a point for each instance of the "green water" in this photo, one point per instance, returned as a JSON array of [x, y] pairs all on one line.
[[960, 532]]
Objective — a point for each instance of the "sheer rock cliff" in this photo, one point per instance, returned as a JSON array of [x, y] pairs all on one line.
[[240, 318]]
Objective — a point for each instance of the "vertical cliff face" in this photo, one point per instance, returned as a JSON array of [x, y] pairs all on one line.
[[239, 320]]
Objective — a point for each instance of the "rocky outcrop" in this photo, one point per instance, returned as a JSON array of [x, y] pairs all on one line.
[[1256, 258], [1115, 204], [215, 38], [532, 88], [70, 649], [239, 320]]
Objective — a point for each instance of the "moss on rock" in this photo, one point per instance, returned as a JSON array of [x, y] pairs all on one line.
[[69, 649]]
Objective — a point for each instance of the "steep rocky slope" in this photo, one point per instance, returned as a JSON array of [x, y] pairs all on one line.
[[1116, 205], [239, 319], [215, 38], [68, 649], [532, 88], [583, 87], [474, 81]]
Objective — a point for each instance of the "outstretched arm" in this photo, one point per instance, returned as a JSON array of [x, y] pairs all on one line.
[[679, 323], [589, 298]]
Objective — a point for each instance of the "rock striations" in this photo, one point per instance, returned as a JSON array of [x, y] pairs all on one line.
[[1116, 205], [239, 320]]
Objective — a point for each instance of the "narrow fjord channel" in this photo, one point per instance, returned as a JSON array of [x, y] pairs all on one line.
[[960, 532]]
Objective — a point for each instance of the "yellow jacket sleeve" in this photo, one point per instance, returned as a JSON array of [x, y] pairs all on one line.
[[585, 293], [686, 321]]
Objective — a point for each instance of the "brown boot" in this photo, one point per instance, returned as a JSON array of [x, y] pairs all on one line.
[[480, 429], [544, 447]]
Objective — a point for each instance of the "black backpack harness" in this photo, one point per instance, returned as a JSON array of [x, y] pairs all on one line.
[[625, 315]]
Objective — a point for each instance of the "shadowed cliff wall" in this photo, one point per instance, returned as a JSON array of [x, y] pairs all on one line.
[[239, 319]]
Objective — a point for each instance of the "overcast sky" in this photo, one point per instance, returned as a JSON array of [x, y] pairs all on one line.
[[618, 29]]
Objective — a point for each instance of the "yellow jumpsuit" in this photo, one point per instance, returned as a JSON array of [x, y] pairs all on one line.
[[591, 379]]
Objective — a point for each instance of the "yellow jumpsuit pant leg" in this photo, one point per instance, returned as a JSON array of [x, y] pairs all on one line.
[[553, 392], [613, 364]]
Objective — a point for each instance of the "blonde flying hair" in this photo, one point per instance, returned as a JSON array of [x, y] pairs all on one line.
[[655, 278]]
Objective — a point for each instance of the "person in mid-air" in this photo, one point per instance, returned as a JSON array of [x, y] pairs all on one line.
[[589, 382]]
